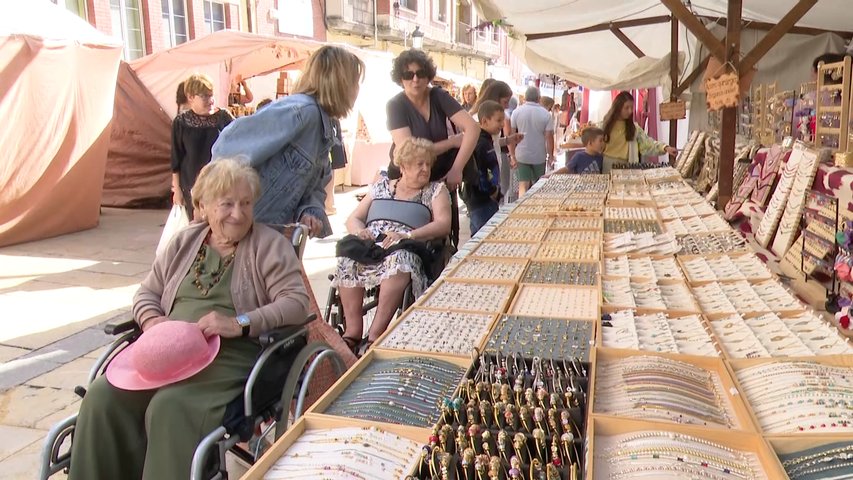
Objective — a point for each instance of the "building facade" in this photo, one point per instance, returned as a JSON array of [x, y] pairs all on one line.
[[454, 34]]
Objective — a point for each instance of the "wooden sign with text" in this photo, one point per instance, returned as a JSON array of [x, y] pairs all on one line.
[[673, 110], [722, 92]]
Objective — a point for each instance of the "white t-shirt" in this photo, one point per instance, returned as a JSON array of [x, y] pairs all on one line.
[[532, 120]]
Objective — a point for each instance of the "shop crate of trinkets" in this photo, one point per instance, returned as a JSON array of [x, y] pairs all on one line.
[[557, 301], [442, 332], [798, 397], [514, 417], [394, 387], [467, 296], [317, 446], [668, 387], [625, 449], [814, 457]]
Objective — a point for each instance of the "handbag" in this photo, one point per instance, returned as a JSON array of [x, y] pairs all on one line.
[[176, 221]]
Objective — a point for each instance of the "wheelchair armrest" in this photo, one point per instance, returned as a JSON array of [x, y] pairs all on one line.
[[278, 334], [120, 327]]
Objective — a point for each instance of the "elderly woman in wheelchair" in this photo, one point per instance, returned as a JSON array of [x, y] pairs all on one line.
[[219, 285], [410, 208]]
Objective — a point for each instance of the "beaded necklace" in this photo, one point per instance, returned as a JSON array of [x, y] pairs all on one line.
[[215, 276]]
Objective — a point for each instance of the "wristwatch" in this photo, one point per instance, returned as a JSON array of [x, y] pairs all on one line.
[[243, 321]]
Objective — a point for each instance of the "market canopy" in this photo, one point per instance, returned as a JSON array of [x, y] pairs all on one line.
[[619, 44], [58, 75]]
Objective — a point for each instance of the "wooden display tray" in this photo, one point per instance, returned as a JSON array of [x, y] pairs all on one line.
[[597, 283], [527, 286], [510, 223], [554, 253], [551, 236], [452, 274], [560, 223], [738, 364], [320, 406], [312, 421], [423, 299], [733, 400], [505, 235], [670, 314], [681, 259], [397, 321], [604, 425], [788, 445], [673, 312], [532, 248]]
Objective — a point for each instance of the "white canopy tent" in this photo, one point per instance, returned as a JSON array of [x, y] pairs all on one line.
[[573, 38]]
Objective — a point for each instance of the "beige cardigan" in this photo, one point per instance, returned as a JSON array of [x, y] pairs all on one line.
[[266, 283]]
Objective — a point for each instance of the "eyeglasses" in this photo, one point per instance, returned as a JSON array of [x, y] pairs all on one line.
[[409, 75]]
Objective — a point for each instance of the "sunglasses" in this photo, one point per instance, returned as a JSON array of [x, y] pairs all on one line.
[[409, 75]]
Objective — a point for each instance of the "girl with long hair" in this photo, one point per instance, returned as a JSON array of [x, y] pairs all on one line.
[[626, 140]]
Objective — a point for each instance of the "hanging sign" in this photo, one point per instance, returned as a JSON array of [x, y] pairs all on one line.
[[673, 110], [722, 92]]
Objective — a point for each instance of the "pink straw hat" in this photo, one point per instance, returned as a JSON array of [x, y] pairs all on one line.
[[166, 353]]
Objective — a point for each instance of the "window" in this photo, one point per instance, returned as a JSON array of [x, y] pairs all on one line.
[[496, 34], [77, 7], [214, 16], [126, 19], [439, 10], [174, 22], [409, 4]]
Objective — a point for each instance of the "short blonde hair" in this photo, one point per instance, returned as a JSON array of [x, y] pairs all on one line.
[[198, 84], [328, 77], [412, 148], [218, 178]]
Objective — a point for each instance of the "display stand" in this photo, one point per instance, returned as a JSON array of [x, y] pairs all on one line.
[[833, 106], [818, 246], [759, 118], [804, 113], [780, 111]]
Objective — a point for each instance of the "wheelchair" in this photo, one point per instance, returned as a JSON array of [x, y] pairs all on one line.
[[281, 376], [405, 213]]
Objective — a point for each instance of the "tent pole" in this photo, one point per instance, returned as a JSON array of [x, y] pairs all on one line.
[[673, 77], [728, 130]]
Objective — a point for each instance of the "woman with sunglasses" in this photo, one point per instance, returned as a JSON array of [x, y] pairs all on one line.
[[194, 131], [422, 111]]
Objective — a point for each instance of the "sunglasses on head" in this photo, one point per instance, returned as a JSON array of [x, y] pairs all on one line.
[[409, 75]]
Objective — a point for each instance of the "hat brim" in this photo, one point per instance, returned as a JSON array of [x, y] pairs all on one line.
[[122, 374]]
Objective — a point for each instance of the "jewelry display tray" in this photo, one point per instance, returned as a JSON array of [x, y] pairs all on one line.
[[311, 421]]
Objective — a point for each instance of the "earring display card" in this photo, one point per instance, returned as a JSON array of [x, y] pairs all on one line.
[[573, 236], [526, 223], [558, 251], [505, 250], [560, 302], [467, 296], [790, 221], [535, 210], [551, 338], [710, 243], [659, 388], [512, 235], [630, 213], [428, 331], [657, 332], [637, 226], [643, 268], [724, 268], [581, 223], [489, 269], [562, 273], [645, 243], [776, 207]]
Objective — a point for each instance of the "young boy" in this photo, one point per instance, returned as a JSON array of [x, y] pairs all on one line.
[[481, 190], [592, 158]]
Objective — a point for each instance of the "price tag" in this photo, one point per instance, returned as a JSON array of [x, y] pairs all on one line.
[[722, 92], [673, 110]]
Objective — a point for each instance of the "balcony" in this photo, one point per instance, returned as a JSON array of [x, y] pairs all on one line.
[[482, 43], [350, 16]]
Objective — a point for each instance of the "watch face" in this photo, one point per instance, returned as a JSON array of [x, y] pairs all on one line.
[[243, 320]]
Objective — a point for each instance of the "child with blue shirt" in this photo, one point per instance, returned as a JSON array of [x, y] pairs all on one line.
[[481, 190], [591, 160]]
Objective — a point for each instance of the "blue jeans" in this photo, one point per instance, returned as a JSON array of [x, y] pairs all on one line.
[[480, 215]]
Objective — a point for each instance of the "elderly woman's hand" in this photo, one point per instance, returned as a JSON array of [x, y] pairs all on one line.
[[215, 323], [365, 234], [393, 237], [314, 224]]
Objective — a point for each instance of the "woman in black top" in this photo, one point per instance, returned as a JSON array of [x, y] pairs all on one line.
[[193, 134], [422, 111]]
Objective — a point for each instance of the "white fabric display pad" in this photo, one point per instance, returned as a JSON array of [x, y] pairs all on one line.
[[776, 207], [797, 198]]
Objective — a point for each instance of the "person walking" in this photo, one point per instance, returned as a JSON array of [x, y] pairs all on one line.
[[536, 148]]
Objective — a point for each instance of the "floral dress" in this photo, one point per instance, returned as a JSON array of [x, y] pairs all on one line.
[[351, 274]]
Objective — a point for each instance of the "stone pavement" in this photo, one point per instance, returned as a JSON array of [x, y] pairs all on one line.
[[57, 294]]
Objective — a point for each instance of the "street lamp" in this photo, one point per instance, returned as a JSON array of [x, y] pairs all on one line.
[[418, 38]]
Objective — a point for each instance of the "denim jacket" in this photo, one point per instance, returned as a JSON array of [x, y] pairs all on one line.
[[288, 143]]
